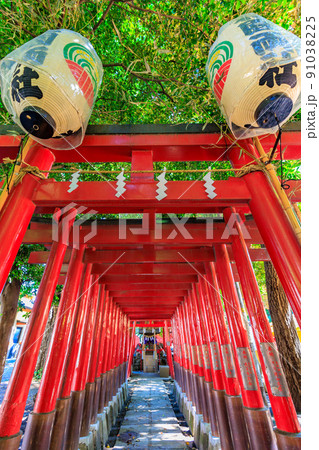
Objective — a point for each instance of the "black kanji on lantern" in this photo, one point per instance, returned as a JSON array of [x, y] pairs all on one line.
[[285, 77], [21, 85]]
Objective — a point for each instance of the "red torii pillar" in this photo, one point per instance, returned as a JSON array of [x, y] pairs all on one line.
[[215, 386], [132, 343], [192, 355], [13, 404], [76, 372], [225, 358], [274, 226], [82, 372], [108, 354], [41, 420], [181, 353], [168, 350], [113, 352], [18, 210], [261, 436], [288, 427], [98, 347], [176, 343], [103, 350], [202, 371], [90, 388], [63, 403]]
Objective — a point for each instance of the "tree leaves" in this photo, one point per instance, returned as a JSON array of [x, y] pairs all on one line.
[[164, 40]]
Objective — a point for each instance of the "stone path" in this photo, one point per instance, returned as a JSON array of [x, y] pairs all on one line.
[[150, 422]]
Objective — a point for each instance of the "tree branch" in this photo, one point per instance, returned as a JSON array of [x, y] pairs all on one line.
[[109, 6], [150, 11], [146, 79], [155, 80]]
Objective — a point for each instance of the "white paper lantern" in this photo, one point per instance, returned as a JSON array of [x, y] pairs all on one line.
[[254, 70], [49, 86]]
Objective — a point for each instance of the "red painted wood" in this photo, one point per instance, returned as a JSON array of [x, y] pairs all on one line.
[[13, 404], [251, 397], [218, 317], [282, 406], [165, 147], [95, 347], [132, 348], [108, 235], [103, 337], [168, 351], [51, 379], [18, 210], [278, 235]]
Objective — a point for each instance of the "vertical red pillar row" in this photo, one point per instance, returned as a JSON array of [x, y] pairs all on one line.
[[40, 422], [179, 341], [288, 428], [124, 354], [168, 351], [76, 372], [63, 403], [188, 352], [132, 348], [176, 357], [89, 410], [99, 354], [127, 347], [120, 360], [214, 383], [13, 404], [203, 372], [123, 351], [179, 366], [255, 413], [232, 396], [87, 353], [103, 352], [117, 350], [108, 353], [113, 351], [273, 225], [179, 355], [195, 370]]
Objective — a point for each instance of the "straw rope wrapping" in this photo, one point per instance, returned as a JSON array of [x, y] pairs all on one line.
[[32, 170], [253, 166]]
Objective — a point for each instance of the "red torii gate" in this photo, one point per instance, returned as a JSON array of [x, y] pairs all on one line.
[[148, 276]]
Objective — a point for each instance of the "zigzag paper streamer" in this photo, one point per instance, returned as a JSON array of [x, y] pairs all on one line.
[[120, 184], [161, 186], [74, 181], [209, 185]]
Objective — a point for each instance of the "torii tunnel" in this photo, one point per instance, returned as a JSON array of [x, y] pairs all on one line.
[[187, 275]]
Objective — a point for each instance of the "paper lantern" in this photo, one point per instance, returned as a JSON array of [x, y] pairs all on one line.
[[49, 86], [254, 70]]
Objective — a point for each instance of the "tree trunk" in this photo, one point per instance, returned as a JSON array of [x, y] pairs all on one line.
[[46, 338], [8, 310], [285, 333]]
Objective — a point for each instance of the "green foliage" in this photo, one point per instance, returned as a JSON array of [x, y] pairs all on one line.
[[29, 274], [261, 279], [154, 55], [38, 374], [154, 52]]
